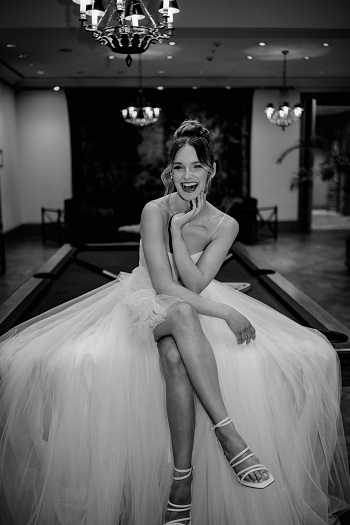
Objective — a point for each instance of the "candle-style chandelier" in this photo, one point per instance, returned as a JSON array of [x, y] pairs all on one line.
[[117, 25], [142, 114], [284, 116]]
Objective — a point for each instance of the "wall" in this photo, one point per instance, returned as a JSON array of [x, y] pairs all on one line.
[[270, 182], [44, 152], [10, 204], [37, 128]]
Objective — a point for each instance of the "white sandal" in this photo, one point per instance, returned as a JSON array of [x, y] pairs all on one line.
[[172, 507], [242, 474]]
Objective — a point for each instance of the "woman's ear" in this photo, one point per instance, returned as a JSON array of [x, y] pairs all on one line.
[[214, 170]]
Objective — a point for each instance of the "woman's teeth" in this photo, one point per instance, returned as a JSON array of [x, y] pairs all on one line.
[[189, 187]]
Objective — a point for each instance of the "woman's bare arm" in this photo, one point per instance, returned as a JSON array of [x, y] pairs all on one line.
[[196, 277], [152, 231]]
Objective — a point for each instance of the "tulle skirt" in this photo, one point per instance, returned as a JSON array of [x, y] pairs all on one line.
[[85, 437]]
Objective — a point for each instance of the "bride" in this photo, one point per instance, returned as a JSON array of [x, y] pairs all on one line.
[[168, 397]]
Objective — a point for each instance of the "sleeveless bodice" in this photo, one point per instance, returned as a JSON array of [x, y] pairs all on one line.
[[142, 261]]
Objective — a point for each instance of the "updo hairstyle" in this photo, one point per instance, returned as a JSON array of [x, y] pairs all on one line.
[[193, 133]]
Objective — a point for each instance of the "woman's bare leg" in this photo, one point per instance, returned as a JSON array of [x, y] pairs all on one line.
[[181, 417], [182, 323], [179, 401]]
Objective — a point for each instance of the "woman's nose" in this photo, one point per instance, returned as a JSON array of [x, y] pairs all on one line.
[[187, 173]]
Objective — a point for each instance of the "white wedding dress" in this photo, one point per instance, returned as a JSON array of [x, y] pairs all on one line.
[[85, 437]]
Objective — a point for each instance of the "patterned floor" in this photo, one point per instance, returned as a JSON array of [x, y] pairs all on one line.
[[329, 220]]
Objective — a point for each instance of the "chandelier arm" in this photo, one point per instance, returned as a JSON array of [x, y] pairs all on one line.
[[148, 14]]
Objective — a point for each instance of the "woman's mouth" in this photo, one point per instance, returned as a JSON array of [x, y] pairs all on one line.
[[189, 187]]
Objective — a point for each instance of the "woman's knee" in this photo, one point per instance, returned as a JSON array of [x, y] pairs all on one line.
[[184, 314], [169, 353]]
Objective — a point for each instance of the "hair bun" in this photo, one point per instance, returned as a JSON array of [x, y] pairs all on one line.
[[192, 128]]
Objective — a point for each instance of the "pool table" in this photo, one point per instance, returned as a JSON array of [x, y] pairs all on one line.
[[74, 270]]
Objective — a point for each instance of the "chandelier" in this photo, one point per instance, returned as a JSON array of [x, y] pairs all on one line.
[[141, 114], [117, 25], [284, 116]]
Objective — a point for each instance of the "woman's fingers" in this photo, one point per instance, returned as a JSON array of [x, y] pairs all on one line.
[[246, 336], [252, 332]]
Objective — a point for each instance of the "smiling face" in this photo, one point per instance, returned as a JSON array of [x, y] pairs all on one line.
[[189, 176]]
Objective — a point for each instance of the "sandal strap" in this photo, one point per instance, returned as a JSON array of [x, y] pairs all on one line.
[[222, 423], [234, 464], [250, 470], [178, 508], [188, 470], [179, 521], [239, 455]]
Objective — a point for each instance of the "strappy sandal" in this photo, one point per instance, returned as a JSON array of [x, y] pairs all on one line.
[[172, 507], [242, 474]]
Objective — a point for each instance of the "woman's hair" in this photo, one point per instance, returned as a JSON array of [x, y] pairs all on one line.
[[193, 133]]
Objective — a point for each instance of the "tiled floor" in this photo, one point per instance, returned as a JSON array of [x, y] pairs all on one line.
[[315, 263]]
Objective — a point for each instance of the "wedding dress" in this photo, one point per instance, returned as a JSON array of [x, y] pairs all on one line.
[[85, 437]]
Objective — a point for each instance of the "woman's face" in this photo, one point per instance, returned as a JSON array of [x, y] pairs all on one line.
[[188, 174]]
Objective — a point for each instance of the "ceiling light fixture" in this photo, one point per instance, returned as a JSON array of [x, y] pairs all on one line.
[[141, 114], [284, 116], [117, 24]]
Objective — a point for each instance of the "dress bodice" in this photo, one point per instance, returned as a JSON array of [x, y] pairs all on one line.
[[142, 261]]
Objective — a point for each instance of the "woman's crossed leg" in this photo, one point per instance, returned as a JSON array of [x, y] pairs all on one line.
[[188, 364]]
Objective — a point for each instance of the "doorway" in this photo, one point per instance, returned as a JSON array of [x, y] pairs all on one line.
[[326, 115]]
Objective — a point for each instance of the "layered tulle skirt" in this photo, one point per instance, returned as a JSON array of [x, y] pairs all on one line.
[[85, 437]]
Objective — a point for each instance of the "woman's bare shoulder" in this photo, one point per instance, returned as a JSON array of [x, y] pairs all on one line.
[[160, 202], [225, 223], [155, 208], [219, 215]]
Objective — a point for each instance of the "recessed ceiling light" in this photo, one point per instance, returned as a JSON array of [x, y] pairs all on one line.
[[40, 72], [22, 56], [228, 87], [306, 58], [111, 57], [172, 43], [160, 72], [194, 87], [249, 57], [170, 57], [10, 45], [321, 72], [160, 88], [262, 44], [30, 65], [56, 88], [325, 44]]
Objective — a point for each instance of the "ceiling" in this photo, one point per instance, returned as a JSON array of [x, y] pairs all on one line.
[[213, 39]]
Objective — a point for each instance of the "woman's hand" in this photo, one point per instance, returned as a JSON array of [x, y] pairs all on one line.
[[180, 219], [240, 326]]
